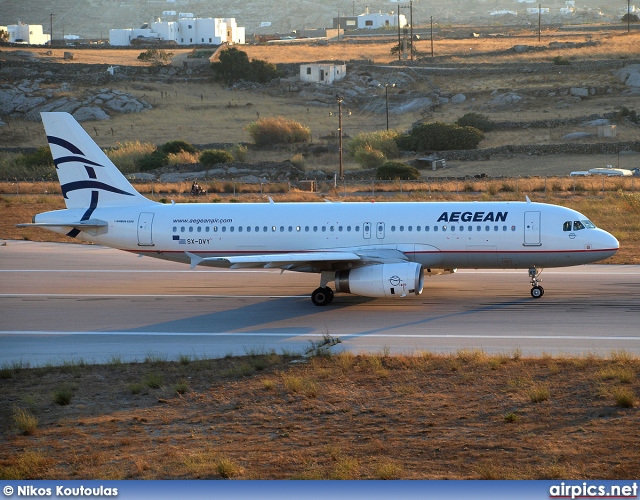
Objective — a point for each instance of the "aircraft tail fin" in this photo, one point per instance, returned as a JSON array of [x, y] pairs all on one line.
[[87, 177]]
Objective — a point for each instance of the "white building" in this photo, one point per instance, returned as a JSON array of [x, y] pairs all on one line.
[[380, 20], [185, 31], [322, 73], [536, 10], [27, 33]]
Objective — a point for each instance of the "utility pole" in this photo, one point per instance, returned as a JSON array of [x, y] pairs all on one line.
[[399, 42], [411, 27], [386, 100], [51, 29], [628, 16], [540, 20], [431, 36], [339, 100]]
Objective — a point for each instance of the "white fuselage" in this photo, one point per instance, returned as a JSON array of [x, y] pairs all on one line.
[[434, 234]]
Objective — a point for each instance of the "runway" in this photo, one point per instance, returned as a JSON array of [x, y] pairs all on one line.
[[68, 302]]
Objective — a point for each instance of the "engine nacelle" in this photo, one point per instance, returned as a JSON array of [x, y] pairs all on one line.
[[382, 280]]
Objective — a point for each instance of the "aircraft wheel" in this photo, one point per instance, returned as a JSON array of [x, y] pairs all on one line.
[[537, 292], [322, 297], [330, 293]]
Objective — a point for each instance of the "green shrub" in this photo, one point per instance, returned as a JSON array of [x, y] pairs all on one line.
[[239, 152], [151, 161], [560, 61], [175, 147], [441, 137], [41, 157], [159, 57], [62, 396], [153, 380], [476, 120], [369, 157], [383, 140], [278, 130], [25, 421], [395, 170], [213, 156], [262, 71], [234, 65], [124, 156]]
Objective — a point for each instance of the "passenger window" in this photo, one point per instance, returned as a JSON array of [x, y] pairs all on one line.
[[453, 229], [401, 228], [324, 229], [495, 228], [175, 229], [273, 228], [199, 229], [340, 228], [357, 229], [444, 228], [191, 229], [315, 229], [224, 229], [239, 229], [461, 228], [426, 228], [182, 229], [487, 228], [435, 228], [215, 229], [306, 229], [290, 228], [282, 229], [348, 229], [332, 229], [504, 228], [418, 228], [231, 229], [393, 229], [566, 226], [410, 228], [206, 229], [513, 228], [470, 228], [478, 228]]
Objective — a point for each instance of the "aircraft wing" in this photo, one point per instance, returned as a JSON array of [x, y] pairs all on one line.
[[316, 260], [282, 261]]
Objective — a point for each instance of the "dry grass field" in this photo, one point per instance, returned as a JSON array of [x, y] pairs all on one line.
[[461, 416]]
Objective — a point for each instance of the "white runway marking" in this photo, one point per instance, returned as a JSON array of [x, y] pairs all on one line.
[[346, 336]]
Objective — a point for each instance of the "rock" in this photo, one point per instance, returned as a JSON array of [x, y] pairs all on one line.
[[141, 176], [124, 104], [90, 113], [68, 56], [506, 98], [630, 75], [520, 49], [579, 91], [458, 98]]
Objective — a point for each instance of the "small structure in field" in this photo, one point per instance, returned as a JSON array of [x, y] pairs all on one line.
[[322, 72]]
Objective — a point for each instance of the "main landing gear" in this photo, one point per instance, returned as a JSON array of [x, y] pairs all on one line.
[[322, 296], [536, 290]]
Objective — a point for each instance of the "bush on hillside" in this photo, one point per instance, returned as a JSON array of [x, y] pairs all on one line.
[[213, 156], [151, 161], [476, 120], [369, 157], [176, 147], [382, 140], [393, 170], [279, 130], [159, 57], [234, 65], [441, 137], [41, 157]]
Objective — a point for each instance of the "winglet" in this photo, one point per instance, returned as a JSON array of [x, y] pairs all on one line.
[[528, 200], [195, 260]]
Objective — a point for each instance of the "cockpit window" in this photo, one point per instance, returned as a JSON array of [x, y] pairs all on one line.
[[577, 225], [566, 226], [588, 224]]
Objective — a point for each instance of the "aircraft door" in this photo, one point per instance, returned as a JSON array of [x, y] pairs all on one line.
[[380, 230], [145, 234], [366, 230], [532, 228]]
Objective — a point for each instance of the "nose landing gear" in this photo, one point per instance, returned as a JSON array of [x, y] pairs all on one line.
[[536, 290]]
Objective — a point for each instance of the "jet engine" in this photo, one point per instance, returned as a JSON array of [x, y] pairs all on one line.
[[382, 280]]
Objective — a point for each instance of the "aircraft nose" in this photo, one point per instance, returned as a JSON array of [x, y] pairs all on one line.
[[609, 242]]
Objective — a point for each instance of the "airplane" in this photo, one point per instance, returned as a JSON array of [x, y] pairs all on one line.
[[371, 249]]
